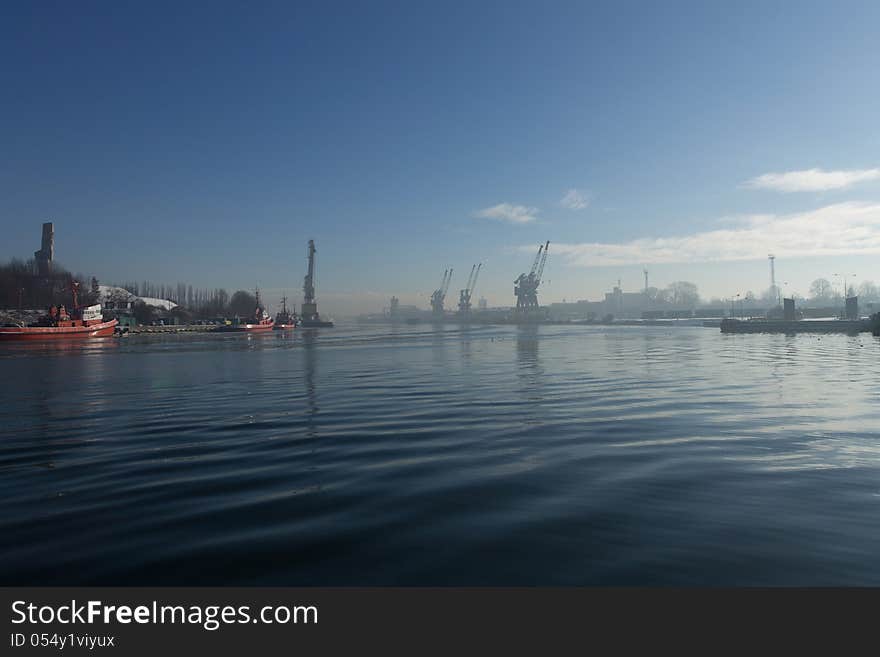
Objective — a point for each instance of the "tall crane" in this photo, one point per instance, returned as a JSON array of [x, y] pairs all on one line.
[[309, 316], [464, 297], [439, 295], [309, 282], [525, 287]]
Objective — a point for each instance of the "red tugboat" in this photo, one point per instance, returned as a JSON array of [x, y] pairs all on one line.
[[285, 320], [79, 322], [258, 323]]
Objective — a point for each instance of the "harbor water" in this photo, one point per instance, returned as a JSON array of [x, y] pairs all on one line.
[[447, 455]]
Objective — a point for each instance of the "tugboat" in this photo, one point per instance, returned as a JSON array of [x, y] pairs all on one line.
[[285, 320], [260, 321], [79, 322]]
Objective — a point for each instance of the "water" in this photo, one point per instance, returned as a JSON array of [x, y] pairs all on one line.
[[495, 455]]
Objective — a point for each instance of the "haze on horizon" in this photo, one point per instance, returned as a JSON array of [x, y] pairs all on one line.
[[208, 145]]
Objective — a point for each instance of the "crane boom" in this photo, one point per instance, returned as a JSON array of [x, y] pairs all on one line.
[[543, 262], [446, 282], [537, 258], [476, 276], [470, 278]]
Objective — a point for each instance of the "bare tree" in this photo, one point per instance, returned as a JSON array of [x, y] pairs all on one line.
[[820, 290], [684, 293], [868, 291]]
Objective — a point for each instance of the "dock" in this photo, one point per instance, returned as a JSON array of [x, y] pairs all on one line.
[[847, 326], [181, 328]]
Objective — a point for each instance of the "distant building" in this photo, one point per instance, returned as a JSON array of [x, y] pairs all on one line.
[[627, 304], [623, 305], [397, 311], [852, 308]]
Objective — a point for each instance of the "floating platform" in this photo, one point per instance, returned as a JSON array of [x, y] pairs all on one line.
[[797, 326]]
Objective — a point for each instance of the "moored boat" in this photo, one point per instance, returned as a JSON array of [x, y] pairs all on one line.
[[58, 323], [259, 321], [284, 319]]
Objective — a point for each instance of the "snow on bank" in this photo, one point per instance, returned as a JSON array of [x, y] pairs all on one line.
[[115, 294]]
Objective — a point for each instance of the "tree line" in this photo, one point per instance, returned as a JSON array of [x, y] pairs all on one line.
[[22, 287], [679, 293]]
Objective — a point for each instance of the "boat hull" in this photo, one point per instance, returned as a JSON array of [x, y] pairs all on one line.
[[101, 330], [248, 328], [284, 327]]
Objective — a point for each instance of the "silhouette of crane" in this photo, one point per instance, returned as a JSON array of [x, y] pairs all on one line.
[[525, 287], [464, 297], [439, 295]]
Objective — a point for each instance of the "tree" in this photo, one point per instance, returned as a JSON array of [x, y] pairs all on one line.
[[868, 291], [820, 290], [242, 303], [143, 313], [683, 293]]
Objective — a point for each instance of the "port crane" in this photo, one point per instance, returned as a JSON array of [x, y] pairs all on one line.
[[525, 287], [464, 297], [309, 316], [439, 295]]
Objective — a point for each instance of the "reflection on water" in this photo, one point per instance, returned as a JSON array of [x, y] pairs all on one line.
[[310, 351], [447, 454]]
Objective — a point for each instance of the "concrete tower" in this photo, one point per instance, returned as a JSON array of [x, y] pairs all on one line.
[[46, 254]]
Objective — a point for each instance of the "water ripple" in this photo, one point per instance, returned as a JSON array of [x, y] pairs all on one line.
[[443, 455]]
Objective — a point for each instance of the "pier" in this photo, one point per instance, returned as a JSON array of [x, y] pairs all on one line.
[[795, 326], [171, 328]]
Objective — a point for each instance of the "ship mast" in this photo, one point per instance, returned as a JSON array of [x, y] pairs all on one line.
[[74, 290]]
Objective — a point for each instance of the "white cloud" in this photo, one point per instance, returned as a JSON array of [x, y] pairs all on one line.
[[813, 180], [841, 229], [515, 214], [574, 200]]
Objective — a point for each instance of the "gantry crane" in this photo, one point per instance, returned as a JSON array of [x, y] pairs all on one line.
[[439, 295], [464, 297], [525, 287]]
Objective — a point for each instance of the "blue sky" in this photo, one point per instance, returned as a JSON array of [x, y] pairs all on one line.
[[207, 142]]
